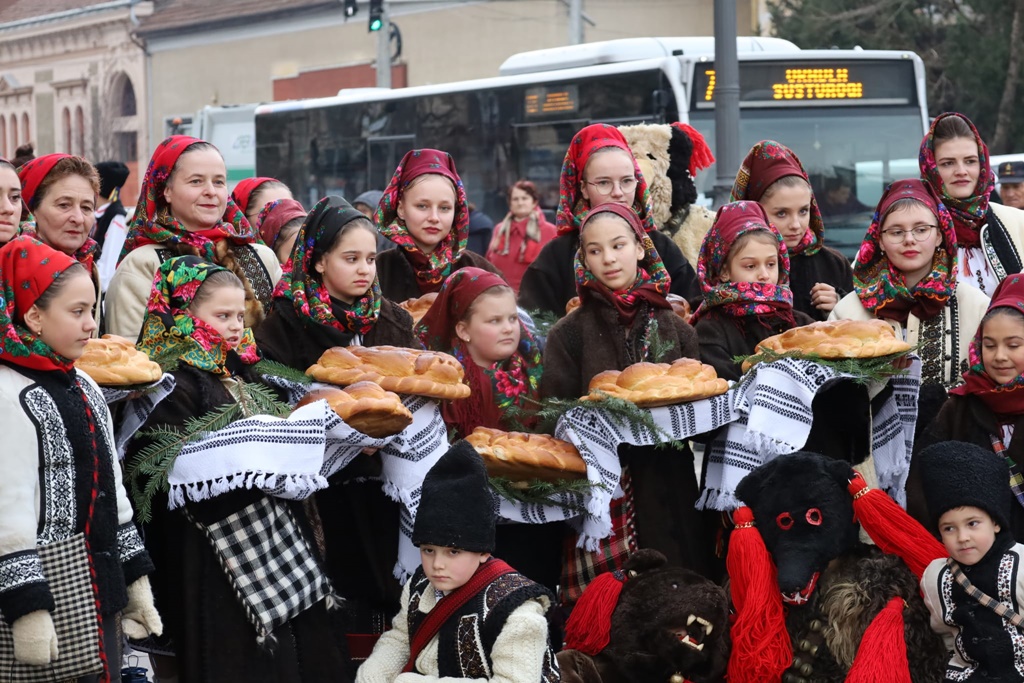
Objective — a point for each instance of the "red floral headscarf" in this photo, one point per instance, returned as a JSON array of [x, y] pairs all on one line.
[[766, 162], [495, 390], [1005, 400], [740, 299], [27, 268], [274, 216], [881, 286], [31, 176], [244, 189], [431, 269], [572, 207], [968, 213], [153, 222]]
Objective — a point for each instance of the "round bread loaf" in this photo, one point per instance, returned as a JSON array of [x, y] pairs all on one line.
[[835, 339], [365, 407], [114, 361], [404, 371], [524, 457], [650, 385]]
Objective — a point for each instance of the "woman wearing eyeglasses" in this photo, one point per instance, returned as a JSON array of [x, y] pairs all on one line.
[[599, 168], [906, 274]]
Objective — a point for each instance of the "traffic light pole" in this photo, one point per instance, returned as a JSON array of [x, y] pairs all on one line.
[[727, 100], [384, 50]]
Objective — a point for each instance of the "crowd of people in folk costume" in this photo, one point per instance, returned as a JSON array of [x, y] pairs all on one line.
[[219, 280]]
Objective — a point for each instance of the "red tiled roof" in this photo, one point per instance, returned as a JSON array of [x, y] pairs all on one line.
[[171, 15]]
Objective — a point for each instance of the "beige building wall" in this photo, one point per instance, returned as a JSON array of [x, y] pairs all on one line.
[[454, 43]]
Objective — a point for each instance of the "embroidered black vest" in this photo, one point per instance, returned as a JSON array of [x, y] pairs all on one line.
[[466, 639], [252, 266]]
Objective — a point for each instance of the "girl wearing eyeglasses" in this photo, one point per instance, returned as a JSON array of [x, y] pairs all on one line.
[[906, 273], [599, 168]]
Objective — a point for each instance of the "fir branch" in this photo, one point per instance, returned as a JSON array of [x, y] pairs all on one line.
[[864, 370], [269, 368], [659, 346], [619, 409], [539, 492], [543, 321], [257, 399]]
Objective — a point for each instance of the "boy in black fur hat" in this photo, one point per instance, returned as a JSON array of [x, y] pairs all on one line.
[[465, 615], [975, 595]]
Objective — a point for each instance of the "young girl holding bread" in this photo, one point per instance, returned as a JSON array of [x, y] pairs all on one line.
[[622, 285], [196, 313]]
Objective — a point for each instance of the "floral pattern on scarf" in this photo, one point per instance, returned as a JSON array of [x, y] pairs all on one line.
[[572, 206], [652, 282], [881, 287], [169, 327], [765, 163], [968, 213], [153, 222], [431, 269], [512, 382], [27, 268], [741, 299], [1005, 400], [308, 294]]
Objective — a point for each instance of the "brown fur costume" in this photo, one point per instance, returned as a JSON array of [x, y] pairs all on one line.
[[654, 608], [663, 154], [834, 584]]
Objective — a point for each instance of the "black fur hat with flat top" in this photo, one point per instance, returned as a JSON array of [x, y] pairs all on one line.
[[457, 508], [955, 474]]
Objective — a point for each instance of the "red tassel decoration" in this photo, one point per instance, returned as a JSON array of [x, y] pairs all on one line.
[[761, 650], [892, 529], [589, 627], [882, 653], [702, 156]]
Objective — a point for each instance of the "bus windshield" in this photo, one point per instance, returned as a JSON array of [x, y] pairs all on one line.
[[850, 154]]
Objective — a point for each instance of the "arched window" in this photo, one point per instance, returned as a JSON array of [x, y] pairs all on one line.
[[66, 120], [79, 132], [25, 132], [15, 139], [127, 101], [3, 139]]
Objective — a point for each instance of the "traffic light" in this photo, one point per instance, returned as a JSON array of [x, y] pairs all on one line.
[[351, 7], [376, 15]]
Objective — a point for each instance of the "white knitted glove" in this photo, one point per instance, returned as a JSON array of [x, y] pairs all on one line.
[[140, 618], [35, 640]]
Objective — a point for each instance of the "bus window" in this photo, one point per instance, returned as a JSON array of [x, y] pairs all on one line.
[[540, 149], [383, 155]]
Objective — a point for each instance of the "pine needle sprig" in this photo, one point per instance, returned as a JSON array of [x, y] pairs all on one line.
[[257, 399], [271, 368], [148, 471], [621, 410], [538, 492], [543, 321], [864, 370], [659, 346]]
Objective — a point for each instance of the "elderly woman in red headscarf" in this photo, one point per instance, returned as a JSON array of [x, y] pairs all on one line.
[[773, 176], [599, 168], [184, 210], [60, 192], [425, 212]]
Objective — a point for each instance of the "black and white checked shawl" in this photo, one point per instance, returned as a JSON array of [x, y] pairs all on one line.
[[66, 567], [138, 405]]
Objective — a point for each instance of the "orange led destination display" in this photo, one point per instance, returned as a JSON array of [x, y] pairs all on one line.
[[783, 83], [558, 100]]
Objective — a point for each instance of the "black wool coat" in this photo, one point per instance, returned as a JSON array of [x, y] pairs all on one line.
[[591, 340], [550, 281], [398, 279], [202, 616], [827, 266]]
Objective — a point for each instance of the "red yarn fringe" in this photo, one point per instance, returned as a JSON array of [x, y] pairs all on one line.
[[882, 653], [702, 156], [589, 626]]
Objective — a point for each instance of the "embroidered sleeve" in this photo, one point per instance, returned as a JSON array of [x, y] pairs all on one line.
[[392, 650]]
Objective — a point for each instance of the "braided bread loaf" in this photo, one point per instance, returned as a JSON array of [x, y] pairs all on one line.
[[365, 407], [659, 384], [836, 339], [418, 307], [404, 371], [114, 361], [523, 457]]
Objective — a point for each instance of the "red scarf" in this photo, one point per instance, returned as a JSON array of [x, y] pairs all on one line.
[[447, 606], [244, 189], [1005, 400]]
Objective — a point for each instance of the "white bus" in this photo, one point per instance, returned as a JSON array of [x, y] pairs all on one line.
[[855, 118]]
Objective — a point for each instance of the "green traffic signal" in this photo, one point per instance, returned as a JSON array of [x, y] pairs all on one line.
[[375, 25]]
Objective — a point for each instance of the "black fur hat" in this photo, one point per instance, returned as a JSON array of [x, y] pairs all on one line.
[[955, 474], [457, 507], [112, 174]]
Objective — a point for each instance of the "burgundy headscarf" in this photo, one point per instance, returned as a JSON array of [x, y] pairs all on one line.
[[882, 287], [244, 189], [572, 207], [1005, 400], [31, 176], [511, 383], [274, 216]]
